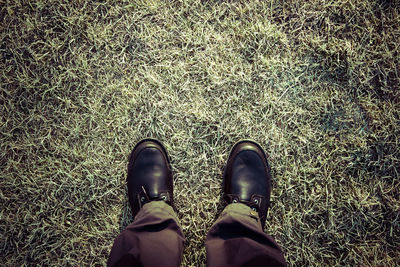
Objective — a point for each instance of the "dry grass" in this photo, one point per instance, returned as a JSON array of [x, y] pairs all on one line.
[[315, 82]]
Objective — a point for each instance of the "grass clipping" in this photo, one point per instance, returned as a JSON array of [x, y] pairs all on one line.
[[316, 83]]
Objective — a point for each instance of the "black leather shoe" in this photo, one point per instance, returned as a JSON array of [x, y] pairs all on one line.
[[247, 178], [149, 175]]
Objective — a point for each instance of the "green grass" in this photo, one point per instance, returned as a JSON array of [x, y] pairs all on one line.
[[316, 83]]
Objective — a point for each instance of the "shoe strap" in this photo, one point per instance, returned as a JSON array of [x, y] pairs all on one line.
[[144, 198], [254, 202]]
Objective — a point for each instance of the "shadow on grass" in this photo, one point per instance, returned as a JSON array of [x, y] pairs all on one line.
[[126, 214]]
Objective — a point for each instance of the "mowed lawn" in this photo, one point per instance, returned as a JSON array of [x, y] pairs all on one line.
[[315, 82]]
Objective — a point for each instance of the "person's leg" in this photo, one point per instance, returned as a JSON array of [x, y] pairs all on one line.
[[155, 237], [237, 237]]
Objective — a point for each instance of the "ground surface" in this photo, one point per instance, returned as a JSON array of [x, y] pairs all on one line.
[[316, 83]]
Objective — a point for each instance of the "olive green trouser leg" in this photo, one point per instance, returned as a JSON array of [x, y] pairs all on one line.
[[154, 238], [237, 239]]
